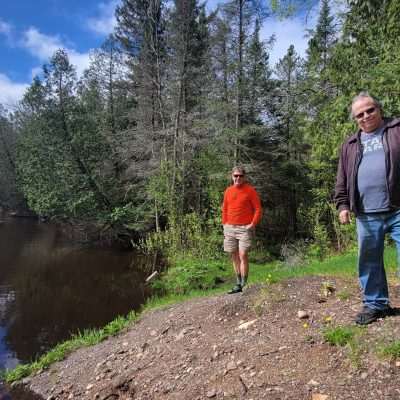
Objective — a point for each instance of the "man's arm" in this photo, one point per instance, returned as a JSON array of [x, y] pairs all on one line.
[[256, 202], [341, 196], [225, 208]]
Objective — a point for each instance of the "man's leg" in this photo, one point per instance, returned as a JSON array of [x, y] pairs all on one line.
[[244, 266], [236, 266], [370, 231], [245, 242], [394, 230], [231, 247]]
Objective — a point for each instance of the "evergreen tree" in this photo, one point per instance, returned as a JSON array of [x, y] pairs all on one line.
[[292, 175], [55, 154], [10, 196]]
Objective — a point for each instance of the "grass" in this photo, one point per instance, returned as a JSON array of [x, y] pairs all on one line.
[[86, 338], [349, 337], [339, 335], [198, 278], [343, 295], [391, 350]]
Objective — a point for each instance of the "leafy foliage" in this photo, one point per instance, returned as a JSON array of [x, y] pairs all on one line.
[[176, 96]]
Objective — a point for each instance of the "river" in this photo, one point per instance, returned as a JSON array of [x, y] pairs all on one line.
[[50, 289]]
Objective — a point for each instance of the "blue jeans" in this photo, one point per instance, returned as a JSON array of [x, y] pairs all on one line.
[[371, 230]]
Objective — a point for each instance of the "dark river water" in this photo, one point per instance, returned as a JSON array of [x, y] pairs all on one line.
[[50, 288]]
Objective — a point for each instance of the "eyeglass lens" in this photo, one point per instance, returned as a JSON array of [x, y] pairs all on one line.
[[368, 112]]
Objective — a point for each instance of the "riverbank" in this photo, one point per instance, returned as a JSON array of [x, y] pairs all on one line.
[[252, 345], [243, 346]]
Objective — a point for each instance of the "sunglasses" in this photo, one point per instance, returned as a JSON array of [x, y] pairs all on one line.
[[238, 175], [369, 111]]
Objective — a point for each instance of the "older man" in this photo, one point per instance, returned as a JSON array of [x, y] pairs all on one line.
[[368, 184]]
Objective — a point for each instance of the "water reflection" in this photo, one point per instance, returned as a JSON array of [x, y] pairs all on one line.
[[50, 289]]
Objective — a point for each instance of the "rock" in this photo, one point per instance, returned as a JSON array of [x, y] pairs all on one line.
[[245, 325], [231, 366], [211, 393], [364, 375], [318, 396], [312, 382], [26, 381], [301, 314], [181, 334]]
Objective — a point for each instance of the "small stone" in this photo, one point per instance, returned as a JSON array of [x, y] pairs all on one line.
[[231, 366], [364, 375], [211, 393], [397, 364], [246, 325], [88, 387], [301, 314], [312, 382], [181, 334], [319, 396], [26, 381]]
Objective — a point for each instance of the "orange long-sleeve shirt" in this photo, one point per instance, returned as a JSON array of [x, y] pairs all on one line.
[[241, 205]]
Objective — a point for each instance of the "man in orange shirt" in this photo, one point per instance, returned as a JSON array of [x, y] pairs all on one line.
[[241, 212]]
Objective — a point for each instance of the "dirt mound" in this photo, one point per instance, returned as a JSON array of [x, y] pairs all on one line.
[[265, 343]]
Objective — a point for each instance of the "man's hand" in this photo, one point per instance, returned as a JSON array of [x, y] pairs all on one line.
[[250, 226], [344, 217]]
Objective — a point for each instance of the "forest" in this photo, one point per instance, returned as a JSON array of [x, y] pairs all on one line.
[[144, 141]]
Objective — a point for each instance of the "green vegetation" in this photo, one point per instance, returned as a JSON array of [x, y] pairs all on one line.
[[343, 295], [340, 335], [349, 337], [82, 339], [142, 146], [191, 278], [391, 350]]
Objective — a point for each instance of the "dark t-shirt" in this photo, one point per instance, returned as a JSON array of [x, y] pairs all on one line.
[[371, 176]]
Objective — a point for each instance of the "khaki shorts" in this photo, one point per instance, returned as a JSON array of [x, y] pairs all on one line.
[[237, 237]]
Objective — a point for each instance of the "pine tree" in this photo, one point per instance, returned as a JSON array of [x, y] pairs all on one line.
[[55, 157], [140, 29], [292, 175]]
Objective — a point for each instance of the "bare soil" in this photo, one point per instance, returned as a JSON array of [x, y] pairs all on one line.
[[251, 345]]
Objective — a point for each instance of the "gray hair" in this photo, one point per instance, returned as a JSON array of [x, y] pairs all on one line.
[[240, 169], [362, 95]]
